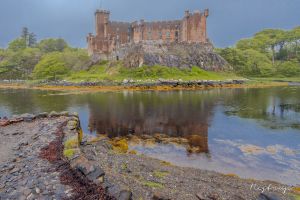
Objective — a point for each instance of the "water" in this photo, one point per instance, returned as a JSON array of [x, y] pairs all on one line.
[[254, 133]]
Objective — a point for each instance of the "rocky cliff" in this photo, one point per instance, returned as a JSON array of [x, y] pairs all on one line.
[[181, 55]]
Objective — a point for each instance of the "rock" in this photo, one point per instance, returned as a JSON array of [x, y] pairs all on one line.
[[53, 114], [72, 125], [159, 196], [4, 122], [97, 175], [125, 195], [15, 170], [37, 190], [269, 196], [181, 55], [64, 113], [27, 117], [26, 192], [200, 197], [74, 114], [41, 115]]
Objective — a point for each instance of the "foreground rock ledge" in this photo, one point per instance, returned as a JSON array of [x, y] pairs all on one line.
[[32, 161], [43, 157]]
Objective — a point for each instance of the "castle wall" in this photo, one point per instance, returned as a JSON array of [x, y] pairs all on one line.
[[110, 34]]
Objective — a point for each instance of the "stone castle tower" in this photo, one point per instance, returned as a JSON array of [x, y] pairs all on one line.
[[110, 35]]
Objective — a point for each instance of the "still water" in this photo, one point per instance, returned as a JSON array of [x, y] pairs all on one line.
[[254, 133]]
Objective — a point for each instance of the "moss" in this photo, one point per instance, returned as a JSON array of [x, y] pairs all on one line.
[[71, 143], [124, 166], [160, 174], [69, 153], [232, 175], [152, 184], [120, 145], [166, 163], [80, 135], [132, 152], [296, 189]]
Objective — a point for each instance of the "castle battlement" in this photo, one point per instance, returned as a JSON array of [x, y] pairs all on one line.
[[112, 34]]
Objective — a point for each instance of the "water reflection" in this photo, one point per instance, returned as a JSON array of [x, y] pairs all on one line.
[[254, 133], [154, 113]]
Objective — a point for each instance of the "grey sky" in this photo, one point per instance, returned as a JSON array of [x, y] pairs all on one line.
[[229, 20]]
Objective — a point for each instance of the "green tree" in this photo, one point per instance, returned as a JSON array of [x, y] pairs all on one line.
[[17, 44], [51, 67], [51, 45], [271, 38], [234, 57], [25, 35], [289, 68], [257, 64], [77, 59], [32, 40]]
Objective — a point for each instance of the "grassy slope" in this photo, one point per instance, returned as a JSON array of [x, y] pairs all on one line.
[[118, 73]]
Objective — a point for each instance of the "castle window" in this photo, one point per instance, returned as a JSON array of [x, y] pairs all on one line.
[[160, 35], [149, 35], [168, 35]]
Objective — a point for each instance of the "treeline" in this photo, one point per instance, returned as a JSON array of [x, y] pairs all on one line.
[[25, 58], [271, 52]]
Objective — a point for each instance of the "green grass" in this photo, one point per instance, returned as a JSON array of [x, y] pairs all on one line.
[[69, 153], [71, 143], [104, 72], [160, 174], [153, 184]]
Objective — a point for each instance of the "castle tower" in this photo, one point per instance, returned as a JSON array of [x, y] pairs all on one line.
[[102, 19], [194, 27]]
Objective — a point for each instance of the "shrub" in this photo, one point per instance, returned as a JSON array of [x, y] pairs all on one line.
[[51, 67]]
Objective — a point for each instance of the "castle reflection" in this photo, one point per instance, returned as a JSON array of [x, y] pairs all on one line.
[[155, 117]]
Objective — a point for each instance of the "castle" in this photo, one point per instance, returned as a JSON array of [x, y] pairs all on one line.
[[111, 35]]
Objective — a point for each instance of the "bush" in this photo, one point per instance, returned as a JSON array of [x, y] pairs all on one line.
[[51, 67], [289, 68], [17, 44]]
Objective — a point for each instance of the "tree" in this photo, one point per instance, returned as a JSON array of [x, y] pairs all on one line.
[[271, 38], [25, 34], [234, 57], [17, 44], [32, 40], [51, 67], [26, 60], [51, 45], [76, 59], [289, 68], [257, 64]]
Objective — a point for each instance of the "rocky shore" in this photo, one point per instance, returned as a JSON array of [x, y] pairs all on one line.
[[32, 160], [127, 83], [136, 85], [46, 156]]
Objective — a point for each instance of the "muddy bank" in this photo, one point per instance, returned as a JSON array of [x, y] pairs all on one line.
[[32, 162]]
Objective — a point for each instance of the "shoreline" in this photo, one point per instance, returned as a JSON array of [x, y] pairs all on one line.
[[95, 162], [156, 86]]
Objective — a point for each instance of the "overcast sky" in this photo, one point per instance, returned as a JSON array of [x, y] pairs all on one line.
[[229, 20]]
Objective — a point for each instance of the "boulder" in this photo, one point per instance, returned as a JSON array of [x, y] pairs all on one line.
[[27, 117], [125, 195], [268, 196]]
